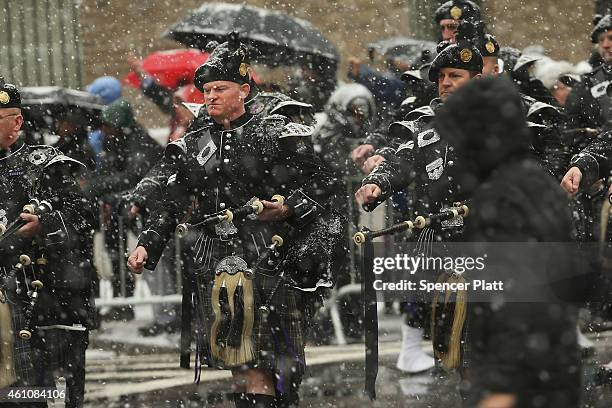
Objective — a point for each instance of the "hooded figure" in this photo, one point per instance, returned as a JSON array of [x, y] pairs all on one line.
[[352, 108], [72, 127], [349, 115], [513, 199], [528, 84], [109, 89], [128, 153]]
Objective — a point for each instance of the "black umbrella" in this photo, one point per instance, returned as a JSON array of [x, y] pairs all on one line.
[[413, 52], [43, 105], [54, 95], [279, 38]]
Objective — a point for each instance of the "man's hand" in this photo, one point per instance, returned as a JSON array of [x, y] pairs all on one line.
[[32, 227], [137, 259], [571, 180], [354, 66], [274, 211], [136, 64], [498, 401], [367, 194], [361, 153], [372, 162], [134, 211]]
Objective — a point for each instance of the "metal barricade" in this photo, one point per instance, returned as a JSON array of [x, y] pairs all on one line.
[[127, 242]]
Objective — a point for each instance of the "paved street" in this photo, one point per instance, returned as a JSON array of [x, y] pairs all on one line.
[[143, 372]]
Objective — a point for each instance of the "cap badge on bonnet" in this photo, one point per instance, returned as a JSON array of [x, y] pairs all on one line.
[[243, 69], [490, 47], [465, 55], [455, 12], [4, 98]]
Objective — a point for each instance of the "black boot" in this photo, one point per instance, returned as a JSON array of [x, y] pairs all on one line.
[[244, 400]]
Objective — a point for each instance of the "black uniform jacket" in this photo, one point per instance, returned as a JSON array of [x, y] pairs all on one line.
[[218, 168], [44, 173]]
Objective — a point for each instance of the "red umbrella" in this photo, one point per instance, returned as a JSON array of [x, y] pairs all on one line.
[[190, 94], [172, 68]]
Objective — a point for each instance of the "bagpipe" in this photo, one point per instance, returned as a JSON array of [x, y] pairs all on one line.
[[234, 291], [255, 207], [364, 239], [34, 207], [420, 222], [24, 279]]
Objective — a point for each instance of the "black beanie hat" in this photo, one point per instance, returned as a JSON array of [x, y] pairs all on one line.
[[463, 55], [9, 95], [227, 62], [458, 10]]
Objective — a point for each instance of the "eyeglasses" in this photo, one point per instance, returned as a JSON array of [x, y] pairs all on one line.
[[10, 114]]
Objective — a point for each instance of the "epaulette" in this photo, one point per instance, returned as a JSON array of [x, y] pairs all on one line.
[[290, 104], [272, 95], [280, 126], [539, 107], [279, 102], [535, 125], [45, 156], [526, 59], [40, 155], [274, 121], [293, 129], [419, 112], [401, 125], [409, 101], [60, 158], [527, 100], [263, 102]]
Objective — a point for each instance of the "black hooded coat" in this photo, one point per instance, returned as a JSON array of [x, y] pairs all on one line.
[[512, 199]]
